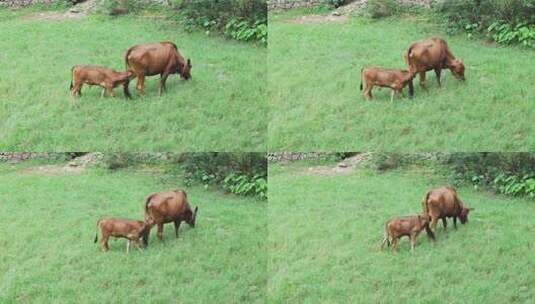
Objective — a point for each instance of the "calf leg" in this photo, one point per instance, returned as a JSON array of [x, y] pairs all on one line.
[[138, 244], [445, 223], [394, 244], [177, 225], [126, 91], [392, 96], [110, 91], [368, 91], [159, 233], [103, 92], [128, 246], [413, 241], [438, 71]]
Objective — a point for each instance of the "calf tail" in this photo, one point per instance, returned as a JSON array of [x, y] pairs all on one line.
[[386, 239]]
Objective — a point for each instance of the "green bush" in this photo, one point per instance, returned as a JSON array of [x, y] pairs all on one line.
[[337, 3], [238, 173], [504, 21], [244, 20], [381, 8]]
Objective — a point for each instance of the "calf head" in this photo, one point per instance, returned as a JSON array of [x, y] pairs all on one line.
[[185, 70], [190, 217], [456, 67], [463, 216]]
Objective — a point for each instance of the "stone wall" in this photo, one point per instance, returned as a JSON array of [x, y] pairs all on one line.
[[291, 156], [287, 4], [19, 3]]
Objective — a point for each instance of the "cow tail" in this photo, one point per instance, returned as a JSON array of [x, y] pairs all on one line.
[[126, 66], [96, 234], [72, 76], [411, 87], [425, 207], [361, 78], [147, 201]]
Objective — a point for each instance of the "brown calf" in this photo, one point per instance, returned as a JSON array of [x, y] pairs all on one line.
[[132, 230], [410, 225], [442, 203], [169, 206], [394, 79], [433, 54], [105, 77], [161, 58]]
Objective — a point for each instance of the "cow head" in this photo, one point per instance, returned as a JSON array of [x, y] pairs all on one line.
[[457, 68], [463, 216], [185, 73], [191, 216]]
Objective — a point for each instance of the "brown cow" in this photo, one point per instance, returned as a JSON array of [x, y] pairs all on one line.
[[105, 77], [169, 206], [433, 54], [394, 79], [410, 225], [442, 203], [156, 58], [132, 230]]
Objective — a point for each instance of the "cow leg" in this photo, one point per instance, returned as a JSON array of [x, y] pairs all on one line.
[[434, 221], [104, 242], [177, 225], [422, 81], [438, 71], [445, 223], [159, 233], [163, 79], [126, 91], [394, 244], [128, 246], [140, 84], [138, 244], [455, 222]]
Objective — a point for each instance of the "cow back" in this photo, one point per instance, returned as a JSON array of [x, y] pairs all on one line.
[[166, 206]]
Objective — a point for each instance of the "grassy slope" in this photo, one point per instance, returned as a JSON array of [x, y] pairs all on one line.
[[49, 251], [222, 108], [324, 243], [315, 102]]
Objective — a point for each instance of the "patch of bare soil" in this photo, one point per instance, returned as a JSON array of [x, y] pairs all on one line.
[[53, 170], [344, 167], [78, 11], [318, 19]]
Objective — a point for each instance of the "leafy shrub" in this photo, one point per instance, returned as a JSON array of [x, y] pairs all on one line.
[[244, 20], [381, 8], [337, 3], [504, 21], [244, 30], [515, 185], [239, 173]]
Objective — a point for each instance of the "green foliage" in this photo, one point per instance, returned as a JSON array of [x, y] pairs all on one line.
[[337, 3], [242, 184], [381, 8], [244, 20], [238, 173], [245, 31], [515, 185], [504, 21]]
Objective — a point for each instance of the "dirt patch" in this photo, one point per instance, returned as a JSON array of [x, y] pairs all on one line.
[[78, 11], [344, 167], [53, 170], [318, 19]]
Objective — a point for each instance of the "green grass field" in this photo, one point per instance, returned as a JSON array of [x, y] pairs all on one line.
[[47, 250], [325, 233], [316, 104], [222, 108]]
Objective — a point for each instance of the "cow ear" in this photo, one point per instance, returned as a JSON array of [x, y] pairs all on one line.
[[189, 63], [196, 209], [471, 209]]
